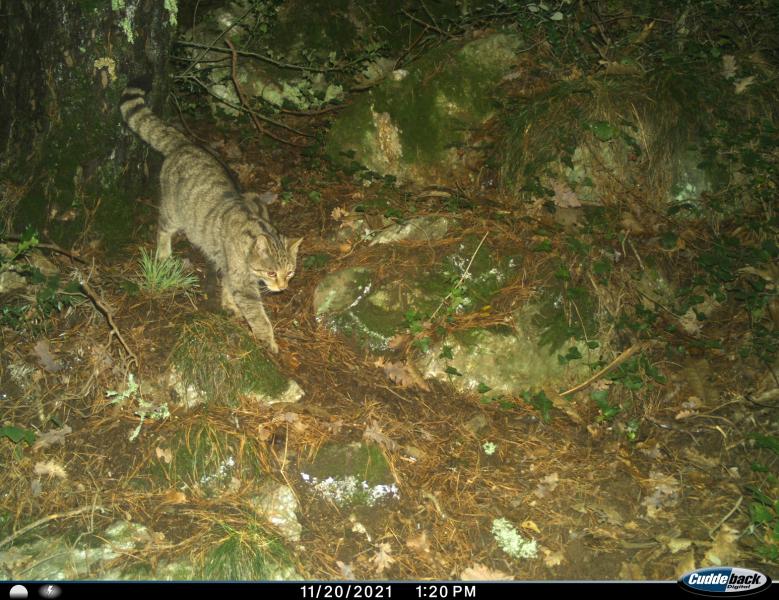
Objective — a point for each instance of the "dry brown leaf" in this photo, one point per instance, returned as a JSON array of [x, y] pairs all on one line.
[[553, 559], [51, 469], [174, 497], [50, 438], [339, 214], [479, 572], [403, 374], [263, 433], [46, 359], [344, 248], [398, 340], [530, 526], [373, 433], [383, 558], [547, 485], [245, 173], [724, 550], [742, 84], [728, 66], [419, 543], [164, 454]]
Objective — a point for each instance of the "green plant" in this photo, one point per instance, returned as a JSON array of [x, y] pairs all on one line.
[[51, 295], [17, 434], [159, 276]]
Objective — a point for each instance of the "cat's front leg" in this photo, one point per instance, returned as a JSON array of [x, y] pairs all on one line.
[[250, 306]]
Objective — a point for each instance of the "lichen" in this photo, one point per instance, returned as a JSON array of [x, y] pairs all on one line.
[[173, 9]]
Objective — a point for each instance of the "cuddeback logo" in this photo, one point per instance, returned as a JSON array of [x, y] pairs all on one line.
[[724, 581]]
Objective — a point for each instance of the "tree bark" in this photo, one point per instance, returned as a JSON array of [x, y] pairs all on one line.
[[70, 168]]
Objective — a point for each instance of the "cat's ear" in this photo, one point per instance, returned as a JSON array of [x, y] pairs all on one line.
[[292, 246], [262, 244]]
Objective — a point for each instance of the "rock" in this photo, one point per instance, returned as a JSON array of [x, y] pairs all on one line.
[[351, 474], [371, 313], [341, 290], [417, 229], [277, 503], [507, 360], [415, 125]]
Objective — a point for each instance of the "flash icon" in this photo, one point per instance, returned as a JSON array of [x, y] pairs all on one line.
[[49, 591]]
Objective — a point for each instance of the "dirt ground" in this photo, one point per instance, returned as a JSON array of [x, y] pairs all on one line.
[[599, 505]]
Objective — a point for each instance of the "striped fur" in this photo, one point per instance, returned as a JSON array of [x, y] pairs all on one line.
[[200, 199]]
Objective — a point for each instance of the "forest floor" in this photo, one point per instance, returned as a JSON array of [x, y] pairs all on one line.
[[599, 504]]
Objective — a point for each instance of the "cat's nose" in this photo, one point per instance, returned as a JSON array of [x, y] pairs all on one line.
[[281, 284]]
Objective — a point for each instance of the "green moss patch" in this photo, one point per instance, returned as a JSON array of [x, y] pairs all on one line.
[[217, 356]]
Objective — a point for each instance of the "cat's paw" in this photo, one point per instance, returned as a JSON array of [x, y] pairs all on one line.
[[273, 346]]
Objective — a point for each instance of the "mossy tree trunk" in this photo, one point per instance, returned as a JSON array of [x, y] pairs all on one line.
[[69, 168]]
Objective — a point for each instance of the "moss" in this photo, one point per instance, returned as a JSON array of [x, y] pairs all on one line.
[[365, 462], [430, 114], [207, 459], [215, 355]]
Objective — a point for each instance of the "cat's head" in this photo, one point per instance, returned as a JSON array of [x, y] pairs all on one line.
[[273, 261]]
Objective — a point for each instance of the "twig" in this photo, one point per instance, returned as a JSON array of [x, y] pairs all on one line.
[[426, 25], [727, 516], [612, 365], [272, 61], [253, 115], [215, 40], [240, 108], [462, 278], [52, 247], [34, 524], [90, 293]]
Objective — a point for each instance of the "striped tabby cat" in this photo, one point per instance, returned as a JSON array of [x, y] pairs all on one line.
[[200, 199]]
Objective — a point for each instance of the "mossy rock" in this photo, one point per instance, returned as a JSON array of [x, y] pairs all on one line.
[[409, 125], [372, 313], [502, 360], [216, 360], [350, 474]]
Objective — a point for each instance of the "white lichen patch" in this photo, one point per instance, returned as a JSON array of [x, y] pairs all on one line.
[[349, 489], [511, 541]]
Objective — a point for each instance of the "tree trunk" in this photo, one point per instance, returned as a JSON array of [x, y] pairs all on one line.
[[70, 169]]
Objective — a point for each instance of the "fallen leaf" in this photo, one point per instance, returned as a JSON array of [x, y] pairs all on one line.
[[724, 550], [403, 374], [383, 558], [263, 433], [553, 559], [50, 468], [479, 572], [419, 543], [547, 485], [164, 454], [530, 526], [728, 66], [50, 438], [245, 173], [334, 427], [564, 196], [373, 433], [742, 84], [174, 497], [339, 214], [398, 340], [46, 359]]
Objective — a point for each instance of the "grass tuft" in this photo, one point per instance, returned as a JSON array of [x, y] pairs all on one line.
[[159, 276]]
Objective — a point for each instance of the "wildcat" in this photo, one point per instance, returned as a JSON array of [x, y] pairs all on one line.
[[201, 199]]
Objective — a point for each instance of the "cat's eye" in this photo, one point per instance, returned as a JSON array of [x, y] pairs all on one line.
[[271, 273]]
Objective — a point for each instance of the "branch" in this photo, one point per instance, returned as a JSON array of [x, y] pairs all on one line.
[[90, 293], [252, 114]]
